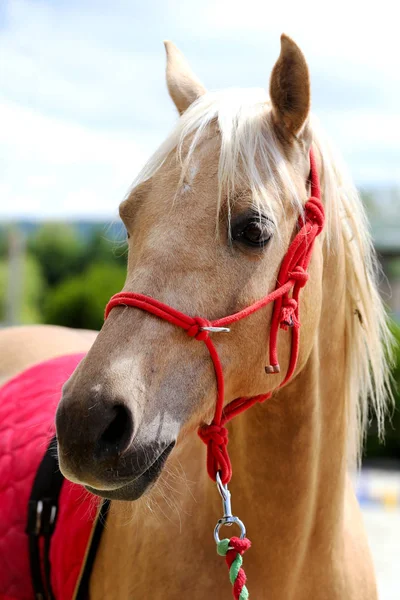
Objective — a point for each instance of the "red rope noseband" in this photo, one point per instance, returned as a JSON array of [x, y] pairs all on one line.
[[292, 277]]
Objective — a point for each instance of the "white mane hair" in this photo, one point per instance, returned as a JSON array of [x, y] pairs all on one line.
[[248, 139]]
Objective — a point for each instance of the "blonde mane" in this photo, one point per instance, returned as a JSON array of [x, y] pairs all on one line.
[[248, 139]]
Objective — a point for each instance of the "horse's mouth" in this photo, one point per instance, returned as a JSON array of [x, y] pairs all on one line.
[[132, 489]]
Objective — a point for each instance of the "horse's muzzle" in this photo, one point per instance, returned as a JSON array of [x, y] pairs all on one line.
[[98, 448]]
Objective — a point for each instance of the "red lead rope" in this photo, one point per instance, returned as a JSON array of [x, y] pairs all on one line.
[[292, 277]]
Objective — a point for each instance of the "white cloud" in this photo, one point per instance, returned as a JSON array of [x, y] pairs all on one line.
[[62, 167]]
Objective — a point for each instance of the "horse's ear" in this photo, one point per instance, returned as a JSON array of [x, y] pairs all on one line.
[[183, 85], [289, 88]]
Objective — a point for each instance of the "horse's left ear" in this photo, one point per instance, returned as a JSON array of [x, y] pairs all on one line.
[[183, 85], [289, 88]]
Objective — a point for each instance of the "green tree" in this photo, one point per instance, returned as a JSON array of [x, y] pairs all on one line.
[[101, 249], [59, 250], [80, 301]]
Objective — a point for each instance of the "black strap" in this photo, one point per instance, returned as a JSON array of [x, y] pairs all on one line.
[[42, 516], [36, 569], [47, 566], [83, 589]]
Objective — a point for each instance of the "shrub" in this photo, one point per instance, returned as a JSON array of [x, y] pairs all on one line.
[[80, 301], [59, 250]]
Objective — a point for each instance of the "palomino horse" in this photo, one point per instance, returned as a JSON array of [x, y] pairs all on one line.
[[209, 221]]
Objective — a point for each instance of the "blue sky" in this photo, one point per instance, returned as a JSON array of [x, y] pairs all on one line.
[[84, 102]]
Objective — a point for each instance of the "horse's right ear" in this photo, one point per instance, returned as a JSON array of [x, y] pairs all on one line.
[[289, 88], [183, 85]]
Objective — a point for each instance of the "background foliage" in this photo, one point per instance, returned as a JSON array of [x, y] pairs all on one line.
[[67, 275]]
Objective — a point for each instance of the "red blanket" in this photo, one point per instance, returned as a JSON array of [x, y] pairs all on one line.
[[27, 408]]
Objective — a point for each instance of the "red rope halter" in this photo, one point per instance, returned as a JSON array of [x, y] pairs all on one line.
[[292, 277]]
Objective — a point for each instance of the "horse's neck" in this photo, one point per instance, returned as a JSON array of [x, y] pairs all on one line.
[[290, 470]]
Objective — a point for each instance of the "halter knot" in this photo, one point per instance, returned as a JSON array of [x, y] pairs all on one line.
[[195, 330], [216, 438], [299, 275], [288, 316], [314, 213], [217, 434]]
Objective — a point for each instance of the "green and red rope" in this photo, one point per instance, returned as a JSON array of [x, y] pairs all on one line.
[[233, 550]]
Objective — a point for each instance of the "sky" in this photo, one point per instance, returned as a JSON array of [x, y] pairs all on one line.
[[83, 100]]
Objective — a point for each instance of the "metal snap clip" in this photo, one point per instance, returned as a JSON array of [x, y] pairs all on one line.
[[228, 518]]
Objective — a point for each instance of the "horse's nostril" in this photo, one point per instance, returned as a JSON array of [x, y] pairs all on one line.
[[117, 435]]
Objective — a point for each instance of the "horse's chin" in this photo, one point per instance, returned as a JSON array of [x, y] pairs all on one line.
[[132, 490]]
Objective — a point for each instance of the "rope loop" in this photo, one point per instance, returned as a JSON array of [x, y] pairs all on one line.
[[195, 330], [299, 275], [314, 212], [239, 545]]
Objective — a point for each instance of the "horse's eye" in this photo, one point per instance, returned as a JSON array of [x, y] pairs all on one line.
[[252, 231]]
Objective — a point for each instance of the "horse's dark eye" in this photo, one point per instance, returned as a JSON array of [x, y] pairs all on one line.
[[254, 231]]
